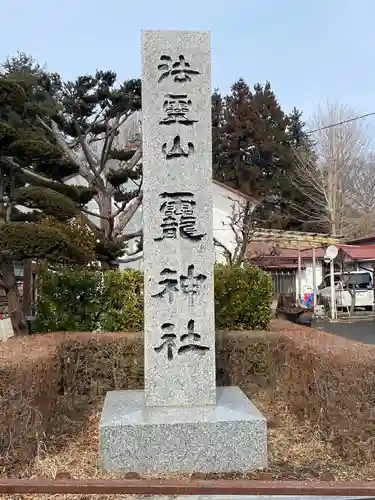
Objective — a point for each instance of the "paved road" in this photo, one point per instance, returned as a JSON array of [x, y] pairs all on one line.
[[361, 331]]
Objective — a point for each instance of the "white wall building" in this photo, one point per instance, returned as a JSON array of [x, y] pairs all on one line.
[[307, 279], [225, 202], [225, 199]]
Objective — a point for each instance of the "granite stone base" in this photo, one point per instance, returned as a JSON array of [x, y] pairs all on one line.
[[228, 437]]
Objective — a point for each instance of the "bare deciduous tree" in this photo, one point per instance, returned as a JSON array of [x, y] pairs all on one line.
[[243, 224], [333, 178], [360, 212]]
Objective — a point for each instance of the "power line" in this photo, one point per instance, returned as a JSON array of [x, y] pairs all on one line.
[[340, 123]]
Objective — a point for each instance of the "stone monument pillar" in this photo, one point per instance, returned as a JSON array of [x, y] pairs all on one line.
[[180, 422], [177, 217]]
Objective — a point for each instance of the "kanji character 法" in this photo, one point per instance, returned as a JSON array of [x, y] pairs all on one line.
[[180, 70]]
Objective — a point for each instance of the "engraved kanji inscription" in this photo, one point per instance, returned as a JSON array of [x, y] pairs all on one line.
[[168, 283], [168, 339], [189, 284], [192, 337], [176, 150], [179, 71], [178, 217], [176, 108], [190, 341]]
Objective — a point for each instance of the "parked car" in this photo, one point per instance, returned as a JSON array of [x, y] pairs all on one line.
[[349, 285]]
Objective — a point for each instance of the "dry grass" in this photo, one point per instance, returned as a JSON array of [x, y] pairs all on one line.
[[331, 382], [316, 391], [295, 452], [28, 393]]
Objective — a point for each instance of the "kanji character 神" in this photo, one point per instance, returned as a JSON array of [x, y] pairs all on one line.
[[189, 283], [169, 284]]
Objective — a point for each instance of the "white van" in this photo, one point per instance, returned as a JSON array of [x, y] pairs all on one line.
[[347, 284]]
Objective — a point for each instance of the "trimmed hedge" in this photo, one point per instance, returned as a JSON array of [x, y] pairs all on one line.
[[69, 300], [318, 377], [84, 300], [122, 301], [243, 297], [29, 390], [28, 240]]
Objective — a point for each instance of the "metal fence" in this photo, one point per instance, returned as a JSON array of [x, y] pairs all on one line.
[[193, 487], [284, 282]]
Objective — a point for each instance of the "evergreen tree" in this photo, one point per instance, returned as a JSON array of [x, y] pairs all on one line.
[[252, 135], [253, 150], [233, 136], [270, 125], [37, 211], [217, 124], [297, 134], [87, 125]]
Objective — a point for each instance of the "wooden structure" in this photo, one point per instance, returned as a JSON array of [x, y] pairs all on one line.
[[294, 239], [298, 241]]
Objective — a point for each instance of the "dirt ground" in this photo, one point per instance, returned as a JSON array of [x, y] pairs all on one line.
[[296, 452], [296, 449]]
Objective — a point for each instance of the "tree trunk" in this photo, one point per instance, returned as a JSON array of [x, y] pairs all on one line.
[[27, 287], [109, 266], [246, 232], [13, 297], [15, 311]]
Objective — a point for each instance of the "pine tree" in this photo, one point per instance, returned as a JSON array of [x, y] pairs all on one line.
[[297, 134], [37, 211], [87, 126]]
